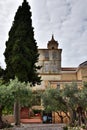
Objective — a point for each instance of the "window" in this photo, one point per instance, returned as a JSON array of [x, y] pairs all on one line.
[[46, 55], [52, 47], [58, 85], [54, 55]]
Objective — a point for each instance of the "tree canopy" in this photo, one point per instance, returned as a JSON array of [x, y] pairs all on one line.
[[13, 92], [52, 100], [70, 99], [21, 53]]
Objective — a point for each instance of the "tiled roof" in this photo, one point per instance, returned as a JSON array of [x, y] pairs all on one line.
[[69, 69], [83, 64]]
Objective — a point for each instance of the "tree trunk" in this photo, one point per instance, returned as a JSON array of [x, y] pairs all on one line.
[[67, 115], [61, 117], [1, 122], [71, 115], [17, 112]]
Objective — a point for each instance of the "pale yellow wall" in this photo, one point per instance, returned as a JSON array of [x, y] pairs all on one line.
[[56, 118], [47, 79], [69, 76], [51, 77], [79, 74], [84, 73]]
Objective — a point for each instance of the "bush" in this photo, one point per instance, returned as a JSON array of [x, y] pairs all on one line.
[[65, 128], [83, 126]]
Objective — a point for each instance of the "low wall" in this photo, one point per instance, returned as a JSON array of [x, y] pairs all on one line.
[[40, 127], [8, 118]]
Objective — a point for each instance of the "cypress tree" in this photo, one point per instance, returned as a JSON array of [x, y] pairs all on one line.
[[1, 72], [21, 54]]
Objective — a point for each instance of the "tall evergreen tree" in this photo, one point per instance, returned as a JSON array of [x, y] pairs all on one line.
[[1, 72], [21, 54]]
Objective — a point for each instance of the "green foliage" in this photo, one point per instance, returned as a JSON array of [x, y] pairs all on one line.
[[36, 100], [68, 99], [74, 128], [65, 128], [21, 91], [83, 126], [6, 98], [70, 95], [13, 91], [57, 100], [83, 96], [7, 111], [52, 100], [21, 54]]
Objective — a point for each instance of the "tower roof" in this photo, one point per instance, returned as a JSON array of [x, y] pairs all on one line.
[[83, 64], [52, 38], [52, 44]]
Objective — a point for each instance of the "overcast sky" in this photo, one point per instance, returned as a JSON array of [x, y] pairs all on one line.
[[66, 19]]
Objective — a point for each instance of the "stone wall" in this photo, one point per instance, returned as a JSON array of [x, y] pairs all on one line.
[[40, 127], [50, 60], [8, 118]]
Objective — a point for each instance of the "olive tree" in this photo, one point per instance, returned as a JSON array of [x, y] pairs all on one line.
[[14, 91]]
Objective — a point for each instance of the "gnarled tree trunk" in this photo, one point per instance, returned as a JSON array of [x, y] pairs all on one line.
[[71, 115], [1, 122], [17, 112]]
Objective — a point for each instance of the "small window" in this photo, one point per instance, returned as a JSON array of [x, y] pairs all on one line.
[[52, 47], [54, 55], [46, 55], [58, 85]]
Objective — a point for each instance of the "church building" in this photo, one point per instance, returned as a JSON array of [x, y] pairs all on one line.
[[56, 76], [52, 73]]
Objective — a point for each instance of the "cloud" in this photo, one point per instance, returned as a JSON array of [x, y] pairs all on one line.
[[74, 30], [66, 19], [8, 9]]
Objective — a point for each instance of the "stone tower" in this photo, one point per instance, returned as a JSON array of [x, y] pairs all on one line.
[[52, 44], [50, 58]]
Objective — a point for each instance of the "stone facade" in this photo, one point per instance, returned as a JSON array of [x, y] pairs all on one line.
[[52, 73]]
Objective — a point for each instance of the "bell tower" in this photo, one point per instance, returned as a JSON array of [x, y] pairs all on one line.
[[50, 58], [52, 44]]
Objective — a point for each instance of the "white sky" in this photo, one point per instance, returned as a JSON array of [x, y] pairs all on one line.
[[66, 19]]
